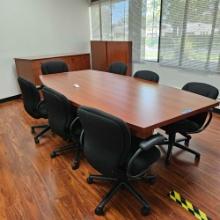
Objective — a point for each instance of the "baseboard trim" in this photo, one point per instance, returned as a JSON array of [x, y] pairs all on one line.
[[10, 98]]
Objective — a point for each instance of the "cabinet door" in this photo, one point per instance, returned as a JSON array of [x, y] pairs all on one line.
[[99, 55], [80, 62], [120, 52]]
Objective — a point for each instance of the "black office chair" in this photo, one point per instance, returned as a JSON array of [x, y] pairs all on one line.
[[191, 125], [108, 148], [51, 67], [34, 105], [63, 120], [118, 68], [147, 75]]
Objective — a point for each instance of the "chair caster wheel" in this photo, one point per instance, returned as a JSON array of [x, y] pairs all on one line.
[[145, 210], [53, 154], [36, 140], [151, 180], [197, 157], [90, 180], [167, 162], [186, 143], [32, 131], [75, 165], [122, 187], [99, 211]]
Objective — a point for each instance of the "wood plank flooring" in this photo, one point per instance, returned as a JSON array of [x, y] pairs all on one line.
[[34, 186]]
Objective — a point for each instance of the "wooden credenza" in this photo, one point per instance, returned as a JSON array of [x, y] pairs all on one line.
[[30, 67], [104, 53]]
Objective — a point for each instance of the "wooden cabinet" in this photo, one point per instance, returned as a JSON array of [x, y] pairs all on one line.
[[104, 53], [30, 67]]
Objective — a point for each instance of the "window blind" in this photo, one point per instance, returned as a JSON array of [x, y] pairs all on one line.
[[137, 23], [152, 29], [106, 20], [95, 21], [113, 19], [119, 19], [190, 34], [214, 59]]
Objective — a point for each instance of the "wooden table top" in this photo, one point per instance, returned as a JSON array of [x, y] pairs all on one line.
[[142, 104]]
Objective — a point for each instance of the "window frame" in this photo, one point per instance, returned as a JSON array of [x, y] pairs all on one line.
[[159, 37]]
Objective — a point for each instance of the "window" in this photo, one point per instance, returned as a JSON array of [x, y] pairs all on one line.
[[106, 20], [119, 20], [109, 20], [95, 22], [136, 20], [190, 34], [152, 29]]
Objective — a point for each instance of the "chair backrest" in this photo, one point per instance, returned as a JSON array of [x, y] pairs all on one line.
[[118, 68], [204, 90], [31, 97], [107, 140], [147, 75], [51, 67], [61, 112]]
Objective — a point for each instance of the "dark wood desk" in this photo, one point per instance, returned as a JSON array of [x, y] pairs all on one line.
[[143, 105], [30, 67]]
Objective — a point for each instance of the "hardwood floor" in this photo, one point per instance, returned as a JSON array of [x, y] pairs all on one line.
[[33, 186]]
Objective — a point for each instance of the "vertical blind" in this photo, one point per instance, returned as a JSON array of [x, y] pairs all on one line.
[[144, 20], [190, 34], [137, 24], [111, 17], [119, 19], [95, 21], [153, 8], [106, 19]]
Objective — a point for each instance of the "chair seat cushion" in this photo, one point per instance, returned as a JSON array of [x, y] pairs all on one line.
[[185, 126], [42, 110], [145, 160]]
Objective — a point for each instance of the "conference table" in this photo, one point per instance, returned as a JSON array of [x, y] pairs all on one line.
[[143, 105]]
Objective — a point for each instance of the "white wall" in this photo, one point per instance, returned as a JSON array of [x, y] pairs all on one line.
[[177, 77], [39, 27]]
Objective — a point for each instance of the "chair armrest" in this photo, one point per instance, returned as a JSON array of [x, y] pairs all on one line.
[[207, 122], [81, 137], [144, 146], [73, 123], [154, 140], [77, 140], [40, 87]]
